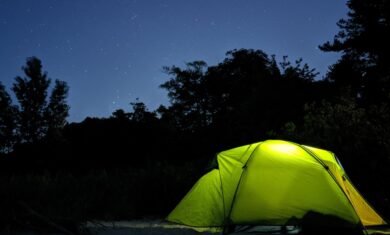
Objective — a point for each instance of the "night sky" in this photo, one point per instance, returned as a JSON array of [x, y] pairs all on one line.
[[111, 52]]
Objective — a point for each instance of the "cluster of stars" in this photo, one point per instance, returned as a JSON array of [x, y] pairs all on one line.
[[124, 44]]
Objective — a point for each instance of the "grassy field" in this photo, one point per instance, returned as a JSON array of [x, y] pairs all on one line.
[[70, 199]]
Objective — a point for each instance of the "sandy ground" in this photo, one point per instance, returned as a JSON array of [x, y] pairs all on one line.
[[159, 227], [145, 227], [134, 227]]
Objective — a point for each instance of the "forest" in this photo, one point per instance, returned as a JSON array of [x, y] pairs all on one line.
[[139, 163]]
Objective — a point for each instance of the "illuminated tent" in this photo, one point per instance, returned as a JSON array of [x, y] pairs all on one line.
[[274, 182]]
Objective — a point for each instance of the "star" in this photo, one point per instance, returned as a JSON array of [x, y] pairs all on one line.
[[133, 17]]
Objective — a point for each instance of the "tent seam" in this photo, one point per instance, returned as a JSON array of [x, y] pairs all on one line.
[[223, 196], [362, 196], [239, 182], [333, 177]]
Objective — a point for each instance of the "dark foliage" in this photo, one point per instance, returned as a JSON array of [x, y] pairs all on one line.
[[364, 42], [7, 121], [34, 117], [241, 99]]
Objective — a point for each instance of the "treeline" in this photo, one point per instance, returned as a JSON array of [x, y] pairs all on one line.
[[124, 160]]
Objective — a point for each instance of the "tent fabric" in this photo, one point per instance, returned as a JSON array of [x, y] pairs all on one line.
[[273, 182], [366, 213], [203, 201]]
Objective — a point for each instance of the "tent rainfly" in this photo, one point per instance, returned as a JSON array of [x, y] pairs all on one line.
[[275, 182]]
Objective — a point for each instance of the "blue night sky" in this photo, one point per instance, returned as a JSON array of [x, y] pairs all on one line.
[[112, 51]]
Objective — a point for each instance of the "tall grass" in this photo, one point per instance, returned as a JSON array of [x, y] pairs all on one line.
[[114, 194]]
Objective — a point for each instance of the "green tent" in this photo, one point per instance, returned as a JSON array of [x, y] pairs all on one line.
[[274, 182]]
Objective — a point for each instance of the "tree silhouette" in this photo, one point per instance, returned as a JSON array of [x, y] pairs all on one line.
[[364, 38], [187, 95], [366, 31], [36, 116], [8, 121], [141, 113], [121, 115], [57, 110], [347, 75], [241, 99], [31, 93]]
